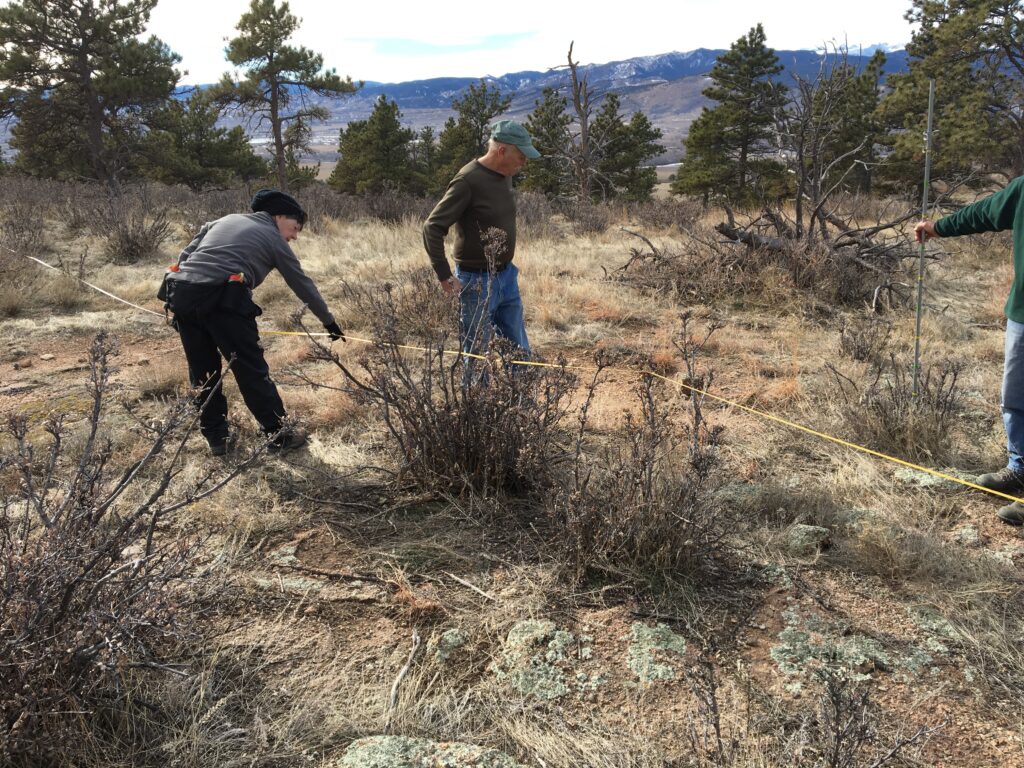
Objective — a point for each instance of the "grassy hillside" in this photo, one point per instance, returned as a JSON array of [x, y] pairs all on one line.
[[661, 588]]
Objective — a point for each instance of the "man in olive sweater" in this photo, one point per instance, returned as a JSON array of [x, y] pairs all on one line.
[[210, 292], [480, 204], [1001, 211]]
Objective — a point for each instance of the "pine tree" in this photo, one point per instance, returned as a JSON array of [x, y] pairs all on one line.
[[974, 49], [81, 84], [279, 80], [465, 136], [185, 146], [374, 154], [728, 146], [548, 125], [622, 150], [858, 123]]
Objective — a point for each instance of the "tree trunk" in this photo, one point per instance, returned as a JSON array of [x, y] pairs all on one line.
[[277, 129]]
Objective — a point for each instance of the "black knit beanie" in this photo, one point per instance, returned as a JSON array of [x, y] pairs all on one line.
[[278, 203]]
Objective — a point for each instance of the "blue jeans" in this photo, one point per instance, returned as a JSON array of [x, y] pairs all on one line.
[[1013, 393], [491, 302]]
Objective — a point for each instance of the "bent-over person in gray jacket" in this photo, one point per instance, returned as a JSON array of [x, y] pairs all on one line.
[[210, 292]]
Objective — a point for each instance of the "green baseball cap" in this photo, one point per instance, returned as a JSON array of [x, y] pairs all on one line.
[[511, 132]]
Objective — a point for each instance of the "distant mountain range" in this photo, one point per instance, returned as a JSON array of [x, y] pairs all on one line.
[[666, 87]]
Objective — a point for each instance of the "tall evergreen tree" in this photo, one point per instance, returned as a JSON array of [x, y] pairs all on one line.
[[858, 124], [279, 79], [974, 49], [81, 84], [548, 125], [465, 136], [374, 154], [728, 146], [623, 149], [184, 145]]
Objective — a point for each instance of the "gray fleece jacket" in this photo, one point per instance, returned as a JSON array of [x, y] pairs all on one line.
[[249, 243]]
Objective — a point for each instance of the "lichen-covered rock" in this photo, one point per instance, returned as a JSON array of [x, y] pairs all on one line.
[[805, 643], [405, 752], [534, 658], [925, 480], [802, 540], [646, 645], [967, 535], [445, 645]]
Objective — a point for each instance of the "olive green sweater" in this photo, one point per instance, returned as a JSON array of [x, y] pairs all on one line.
[[1003, 210], [477, 199]]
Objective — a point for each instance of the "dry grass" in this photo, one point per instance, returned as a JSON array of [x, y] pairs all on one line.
[[294, 670]]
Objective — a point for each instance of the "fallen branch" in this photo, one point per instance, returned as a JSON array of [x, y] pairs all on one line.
[[393, 697]]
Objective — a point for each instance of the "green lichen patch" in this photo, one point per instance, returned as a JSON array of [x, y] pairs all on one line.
[[804, 644], [537, 658], [646, 646], [804, 540], [404, 752], [925, 480], [444, 646]]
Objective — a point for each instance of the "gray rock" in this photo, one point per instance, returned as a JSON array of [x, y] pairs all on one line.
[[404, 752], [807, 539], [445, 645], [534, 659], [967, 535], [924, 480], [647, 645]]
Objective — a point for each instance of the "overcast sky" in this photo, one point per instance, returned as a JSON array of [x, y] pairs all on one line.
[[399, 40]]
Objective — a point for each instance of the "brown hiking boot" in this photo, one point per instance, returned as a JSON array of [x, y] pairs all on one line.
[[1006, 480], [1012, 514]]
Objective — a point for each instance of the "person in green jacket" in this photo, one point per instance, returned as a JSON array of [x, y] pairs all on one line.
[[1001, 211]]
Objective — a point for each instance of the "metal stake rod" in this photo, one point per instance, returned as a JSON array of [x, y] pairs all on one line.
[[924, 215]]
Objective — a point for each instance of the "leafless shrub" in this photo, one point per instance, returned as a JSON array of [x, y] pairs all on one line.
[[322, 204], [22, 209], [78, 204], [498, 432], [665, 214], [865, 339], [197, 208], [843, 730], [395, 206], [645, 508], [887, 415], [421, 311], [534, 215], [134, 229], [89, 589], [587, 218]]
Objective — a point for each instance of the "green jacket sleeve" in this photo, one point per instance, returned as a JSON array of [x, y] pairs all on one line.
[[993, 214], [450, 208]]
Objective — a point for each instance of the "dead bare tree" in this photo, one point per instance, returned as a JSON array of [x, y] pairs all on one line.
[[582, 155]]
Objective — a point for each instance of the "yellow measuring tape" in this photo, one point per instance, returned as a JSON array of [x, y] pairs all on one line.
[[725, 401]]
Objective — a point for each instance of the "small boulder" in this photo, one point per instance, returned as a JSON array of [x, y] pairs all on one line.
[[803, 540], [405, 752]]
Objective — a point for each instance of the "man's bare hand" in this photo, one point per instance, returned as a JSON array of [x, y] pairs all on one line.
[[452, 286], [924, 230]]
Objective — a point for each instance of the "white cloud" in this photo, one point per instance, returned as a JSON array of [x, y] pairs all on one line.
[[196, 29]]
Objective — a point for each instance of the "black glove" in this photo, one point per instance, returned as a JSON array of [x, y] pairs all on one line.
[[335, 331]]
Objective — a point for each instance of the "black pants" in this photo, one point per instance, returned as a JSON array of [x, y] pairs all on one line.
[[219, 323]]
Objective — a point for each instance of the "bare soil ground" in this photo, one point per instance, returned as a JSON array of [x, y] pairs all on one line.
[[330, 570]]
